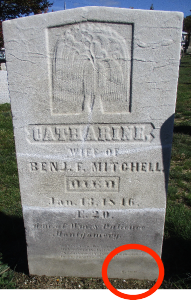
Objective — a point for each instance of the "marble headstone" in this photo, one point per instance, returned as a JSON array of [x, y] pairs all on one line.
[[93, 94], [4, 92]]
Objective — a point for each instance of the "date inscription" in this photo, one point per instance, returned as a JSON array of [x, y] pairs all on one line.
[[89, 202]]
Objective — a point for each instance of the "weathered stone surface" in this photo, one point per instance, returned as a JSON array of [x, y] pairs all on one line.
[[4, 92], [93, 94]]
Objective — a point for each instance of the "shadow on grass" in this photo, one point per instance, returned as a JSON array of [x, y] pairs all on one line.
[[177, 259], [182, 129], [185, 64], [13, 243]]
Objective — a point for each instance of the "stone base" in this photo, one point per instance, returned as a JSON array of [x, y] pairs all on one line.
[[129, 267], [60, 244]]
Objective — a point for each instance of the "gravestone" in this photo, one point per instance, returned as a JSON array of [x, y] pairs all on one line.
[[93, 94], [4, 92], [189, 44]]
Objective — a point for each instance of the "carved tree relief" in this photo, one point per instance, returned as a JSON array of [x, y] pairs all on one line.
[[90, 70]]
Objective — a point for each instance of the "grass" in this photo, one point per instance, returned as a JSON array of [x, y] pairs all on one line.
[[11, 230], [177, 239]]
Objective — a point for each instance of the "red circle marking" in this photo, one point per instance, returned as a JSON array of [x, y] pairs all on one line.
[[129, 247]]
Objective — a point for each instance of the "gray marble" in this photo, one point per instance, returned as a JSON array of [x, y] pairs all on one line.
[[4, 91], [93, 94]]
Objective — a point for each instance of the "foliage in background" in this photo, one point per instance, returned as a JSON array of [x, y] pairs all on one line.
[[187, 24], [10, 9]]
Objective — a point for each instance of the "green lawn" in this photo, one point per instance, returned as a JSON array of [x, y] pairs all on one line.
[[177, 238], [177, 242]]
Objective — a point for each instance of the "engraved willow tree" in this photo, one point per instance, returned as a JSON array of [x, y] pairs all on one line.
[[90, 70]]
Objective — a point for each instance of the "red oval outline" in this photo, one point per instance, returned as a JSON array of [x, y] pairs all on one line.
[[137, 247]]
